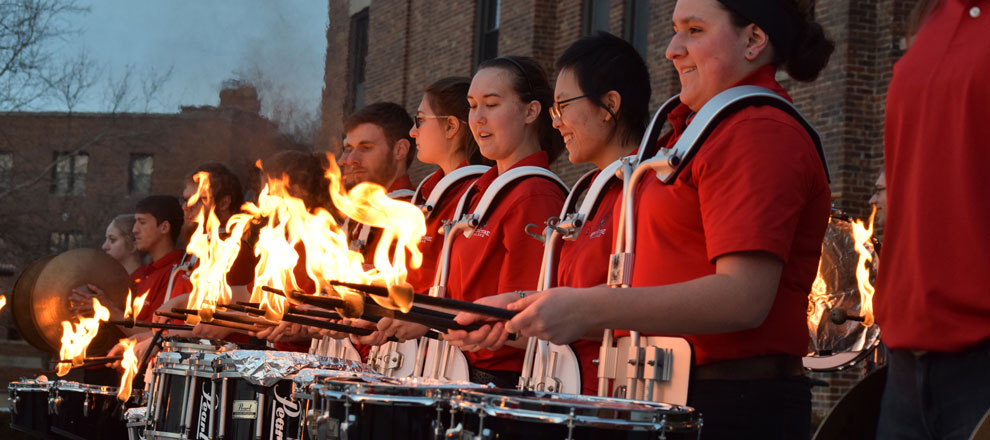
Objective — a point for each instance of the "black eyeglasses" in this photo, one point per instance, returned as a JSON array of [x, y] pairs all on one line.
[[556, 107], [418, 120]]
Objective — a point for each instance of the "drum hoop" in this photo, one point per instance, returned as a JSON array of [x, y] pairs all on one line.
[[29, 385], [65, 385]]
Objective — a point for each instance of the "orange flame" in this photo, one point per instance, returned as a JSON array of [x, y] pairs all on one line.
[[289, 226], [861, 236], [3, 302], [817, 301], [131, 312], [76, 337], [216, 255], [130, 364]]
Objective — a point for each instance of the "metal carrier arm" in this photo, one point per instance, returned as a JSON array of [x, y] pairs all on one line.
[[444, 185], [546, 366]]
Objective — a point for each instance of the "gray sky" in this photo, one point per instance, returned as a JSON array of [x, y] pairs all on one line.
[[204, 42]]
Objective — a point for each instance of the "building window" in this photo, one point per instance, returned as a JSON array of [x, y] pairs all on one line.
[[637, 24], [595, 16], [69, 174], [358, 58], [6, 170], [139, 175], [63, 241], [489, 20]]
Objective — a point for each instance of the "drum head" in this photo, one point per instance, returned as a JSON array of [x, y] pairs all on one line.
[[836, 346]]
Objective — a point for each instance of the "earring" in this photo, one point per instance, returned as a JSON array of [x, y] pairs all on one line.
[[750, 53]]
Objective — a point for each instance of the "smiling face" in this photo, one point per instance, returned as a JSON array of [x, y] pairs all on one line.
[[499, 120], [582, 124], [368, 157], [707, 50]]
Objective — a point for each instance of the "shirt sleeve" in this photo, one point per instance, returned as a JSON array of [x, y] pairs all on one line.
[[754, 178]]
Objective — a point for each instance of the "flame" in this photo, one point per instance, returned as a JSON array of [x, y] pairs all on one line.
[[132, 312], [216, 255], [3, 302], [289, 228], [130, 364], [76, 337], [817, 301], [861, 236]]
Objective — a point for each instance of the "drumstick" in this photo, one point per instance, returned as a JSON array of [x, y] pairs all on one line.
[[449, 303], [151, 325], [97, 359]]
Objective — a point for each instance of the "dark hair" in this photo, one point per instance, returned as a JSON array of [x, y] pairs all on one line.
[[305, 171], [223, 183], [812, 48], [603, 62], [392, 118], [529, 81], [163, 209], [448, 96]]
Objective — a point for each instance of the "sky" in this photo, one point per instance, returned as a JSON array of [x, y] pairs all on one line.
[[204, 42]]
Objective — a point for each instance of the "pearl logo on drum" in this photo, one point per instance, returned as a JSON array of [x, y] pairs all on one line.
[[284, 407]]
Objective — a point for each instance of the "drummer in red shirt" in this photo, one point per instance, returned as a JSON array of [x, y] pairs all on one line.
[[727, 253], [602, 103], [510, 99], [443, 138], [932, 301]]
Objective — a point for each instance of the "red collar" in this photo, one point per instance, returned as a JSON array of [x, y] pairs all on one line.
[[538, 159]]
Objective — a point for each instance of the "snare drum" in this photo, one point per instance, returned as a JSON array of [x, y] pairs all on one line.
[[834, 347], [28, 401], [305, 389], [81, 411], [408, 408], [182, 402], [539, 416], [136, 420]]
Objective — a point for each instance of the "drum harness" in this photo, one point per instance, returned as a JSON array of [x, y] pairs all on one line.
[[390, 356], [647, 366], [466, 223]]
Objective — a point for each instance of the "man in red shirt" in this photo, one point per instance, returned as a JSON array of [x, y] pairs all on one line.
[[932, 300], [158, 220]]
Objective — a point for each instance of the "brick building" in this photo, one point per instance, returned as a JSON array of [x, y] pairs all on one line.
[[391, 49], [63, 177]]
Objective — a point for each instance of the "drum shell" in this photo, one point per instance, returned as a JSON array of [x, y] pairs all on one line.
[[29, 407], [81, 411], [248, 409], [382, 410], [181, 381], [538, 416]]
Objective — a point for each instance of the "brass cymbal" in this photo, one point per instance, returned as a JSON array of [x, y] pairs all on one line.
[[69, 270], [20, 303]]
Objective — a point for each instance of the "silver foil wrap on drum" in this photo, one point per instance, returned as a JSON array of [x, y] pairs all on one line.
[[136, 414], [266, 367], [838, 271]]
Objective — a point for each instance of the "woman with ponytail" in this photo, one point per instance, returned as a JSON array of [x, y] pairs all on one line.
[[725, 253]]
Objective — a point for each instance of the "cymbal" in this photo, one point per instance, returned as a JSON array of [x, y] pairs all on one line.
[[69, 270], [20, 303]]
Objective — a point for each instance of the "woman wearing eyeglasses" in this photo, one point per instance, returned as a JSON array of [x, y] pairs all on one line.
[[602, 103], [443, 138], [509, 100], [726, 254]]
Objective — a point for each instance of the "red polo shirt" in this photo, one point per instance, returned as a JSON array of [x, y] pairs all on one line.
[[431, 245], [756, 184], [499, 256], [932, 287], [153, 278], [584, 263]]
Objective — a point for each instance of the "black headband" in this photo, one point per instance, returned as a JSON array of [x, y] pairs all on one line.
[[522, 71], [781, 25]]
